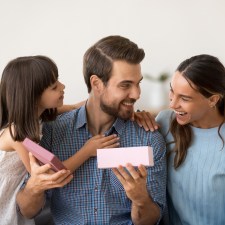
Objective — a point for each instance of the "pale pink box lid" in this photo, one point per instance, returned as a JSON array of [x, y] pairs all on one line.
[[113, 157]]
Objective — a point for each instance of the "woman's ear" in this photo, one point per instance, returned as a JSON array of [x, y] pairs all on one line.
[[213, 100], [96, 83]]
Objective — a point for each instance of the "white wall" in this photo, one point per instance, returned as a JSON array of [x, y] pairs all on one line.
[[168, 30]]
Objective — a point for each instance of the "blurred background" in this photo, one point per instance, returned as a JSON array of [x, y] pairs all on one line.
[[168, 30]]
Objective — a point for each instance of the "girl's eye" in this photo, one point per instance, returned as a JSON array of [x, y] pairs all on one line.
[[54, 87]]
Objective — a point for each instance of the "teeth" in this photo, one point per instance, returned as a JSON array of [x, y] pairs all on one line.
[[179, 113], [128, 103]]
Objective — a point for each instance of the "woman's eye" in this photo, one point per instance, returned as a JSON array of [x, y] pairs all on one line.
[[170, 94], [185, 99]]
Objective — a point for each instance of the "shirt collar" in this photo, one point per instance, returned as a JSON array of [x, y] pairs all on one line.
[[81, 117], [118, 125]]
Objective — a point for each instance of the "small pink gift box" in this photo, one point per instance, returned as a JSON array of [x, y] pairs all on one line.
[[113, 157]]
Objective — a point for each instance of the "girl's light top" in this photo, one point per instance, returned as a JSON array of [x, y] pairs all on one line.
[[12, 173]]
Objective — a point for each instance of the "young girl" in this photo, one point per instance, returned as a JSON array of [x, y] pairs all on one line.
[[29, 95]]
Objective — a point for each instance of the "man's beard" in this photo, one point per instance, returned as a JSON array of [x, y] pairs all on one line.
[[115, 112]]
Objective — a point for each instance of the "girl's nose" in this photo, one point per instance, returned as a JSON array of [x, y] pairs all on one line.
[[62, 86]]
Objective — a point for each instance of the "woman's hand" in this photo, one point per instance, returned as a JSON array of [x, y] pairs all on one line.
[[145, 120]]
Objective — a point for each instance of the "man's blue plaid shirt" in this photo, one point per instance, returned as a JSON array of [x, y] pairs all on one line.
[[95, 196]]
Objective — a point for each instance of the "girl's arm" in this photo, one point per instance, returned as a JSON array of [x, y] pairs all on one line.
[[23, 154], [89, 150], [66, 108], [9, 144]]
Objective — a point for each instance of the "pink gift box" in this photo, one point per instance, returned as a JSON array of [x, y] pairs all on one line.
[[113, 157], [43, 155]]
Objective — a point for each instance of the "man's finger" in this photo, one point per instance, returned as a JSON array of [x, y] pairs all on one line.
[[34, 164]]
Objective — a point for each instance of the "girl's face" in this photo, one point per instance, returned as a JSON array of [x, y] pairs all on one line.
[[190, 106], [52, 97]]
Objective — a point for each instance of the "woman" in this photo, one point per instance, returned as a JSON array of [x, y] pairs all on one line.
[[195, 132]]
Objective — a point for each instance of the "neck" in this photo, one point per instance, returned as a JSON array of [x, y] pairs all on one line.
[[98, 121], [213, 120]]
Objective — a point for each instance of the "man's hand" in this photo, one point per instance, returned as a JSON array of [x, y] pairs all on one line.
[[144, 210], [44, 178], [31, 198], [134, 182]]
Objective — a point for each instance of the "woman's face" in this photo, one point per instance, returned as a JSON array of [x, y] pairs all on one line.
[[190, 106]]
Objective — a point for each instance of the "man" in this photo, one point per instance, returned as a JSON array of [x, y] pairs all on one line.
[[112, 73]]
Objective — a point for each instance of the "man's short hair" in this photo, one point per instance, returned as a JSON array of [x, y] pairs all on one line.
[[98, 59]]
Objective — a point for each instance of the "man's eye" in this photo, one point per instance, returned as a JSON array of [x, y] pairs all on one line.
[[125, 85], [185, 99]]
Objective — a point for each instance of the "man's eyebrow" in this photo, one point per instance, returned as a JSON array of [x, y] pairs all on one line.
[[130, 81]]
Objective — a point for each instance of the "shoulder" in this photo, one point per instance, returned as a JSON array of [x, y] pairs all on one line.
[[6, 141], [152, 138], [63, 120], [165, 115], [164, 119]]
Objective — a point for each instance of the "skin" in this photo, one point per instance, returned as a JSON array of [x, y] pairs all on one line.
[[198, 110], [52, 97], [105, 107]]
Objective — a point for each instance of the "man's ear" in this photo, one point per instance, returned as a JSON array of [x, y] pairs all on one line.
[[213, 100], [96, 83]]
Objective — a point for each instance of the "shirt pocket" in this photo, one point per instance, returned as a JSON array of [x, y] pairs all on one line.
[[117, 195]]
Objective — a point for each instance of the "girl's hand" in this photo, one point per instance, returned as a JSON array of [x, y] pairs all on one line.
[[145, 120], [101, 141]]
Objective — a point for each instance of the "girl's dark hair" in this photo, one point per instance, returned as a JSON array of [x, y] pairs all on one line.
[[207, 74], [22, 83], [99, 58]]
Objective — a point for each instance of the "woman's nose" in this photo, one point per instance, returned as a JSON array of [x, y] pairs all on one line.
[[173, 103]]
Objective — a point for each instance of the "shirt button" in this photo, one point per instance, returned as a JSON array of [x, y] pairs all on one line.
[[96, 188], [95, 210]]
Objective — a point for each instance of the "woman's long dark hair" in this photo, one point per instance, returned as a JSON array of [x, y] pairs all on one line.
[[207, 74], [23, 81]]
